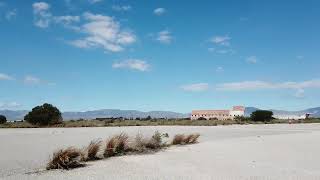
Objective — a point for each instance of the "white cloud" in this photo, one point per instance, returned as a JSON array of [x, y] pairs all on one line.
[[66, 20], [252, 59], [134, 64], [9, 105], [255, 85], [121, 8], [103, 32], [196, 87], [221, 40], [159, 11], [94, 1], [5, 77], [11, 14], [99, 31], [164, 37], [42, 15]]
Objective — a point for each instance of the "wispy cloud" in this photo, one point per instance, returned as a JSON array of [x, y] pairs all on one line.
[[66, 20], [9, 105], [94, 1], [33, 80], [221, 40], [11, 14], [219, 69], [220, 45], [5, 77], [252, 59], [164, 37], [121, 8], [198, 87], [42, 15], [221, 50], [134, 64], [256, 85], [299, 93], [159, 11]]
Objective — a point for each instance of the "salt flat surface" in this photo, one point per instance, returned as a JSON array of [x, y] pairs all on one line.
[[267, 152]]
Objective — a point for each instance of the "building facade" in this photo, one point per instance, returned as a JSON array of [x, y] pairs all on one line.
[[218, 114]]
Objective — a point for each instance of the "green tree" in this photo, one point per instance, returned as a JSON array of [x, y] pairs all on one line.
[[3, 119], [45, 114], [261, 115]]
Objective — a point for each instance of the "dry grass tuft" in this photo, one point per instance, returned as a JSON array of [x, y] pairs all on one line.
[[185, 139], [92, 150], [142, 144], [116, 145], [194, 138], [178, 139], [65, 159]]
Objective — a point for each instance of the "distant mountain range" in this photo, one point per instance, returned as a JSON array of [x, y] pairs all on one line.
[[314, 112], [104, 113]]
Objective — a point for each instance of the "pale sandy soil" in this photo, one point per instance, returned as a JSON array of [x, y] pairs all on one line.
[[236, 152]]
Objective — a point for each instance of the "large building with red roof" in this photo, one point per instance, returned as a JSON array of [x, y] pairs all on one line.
[[218, 114]]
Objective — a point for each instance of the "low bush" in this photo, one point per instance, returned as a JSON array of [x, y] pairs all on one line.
[[3, 119]]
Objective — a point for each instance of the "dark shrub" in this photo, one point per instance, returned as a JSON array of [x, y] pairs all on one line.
[[44, 115], [3, 119], [261, 115], [202, 118]]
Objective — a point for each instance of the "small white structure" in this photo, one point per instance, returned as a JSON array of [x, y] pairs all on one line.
[[218, 114], [289, 116]]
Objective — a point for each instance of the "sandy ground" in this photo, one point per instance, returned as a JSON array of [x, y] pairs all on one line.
[[236, 152]]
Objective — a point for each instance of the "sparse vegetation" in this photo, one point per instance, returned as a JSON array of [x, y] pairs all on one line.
[[115, 146], [44, 115], [3, 119], [155, 122]]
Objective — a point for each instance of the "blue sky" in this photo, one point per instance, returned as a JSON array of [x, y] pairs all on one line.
[[159, 55]]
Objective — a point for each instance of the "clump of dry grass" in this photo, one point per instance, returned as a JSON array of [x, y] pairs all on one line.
[[142, 144], [65, 159], [91, 152], [116, 145], [185, 139]]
